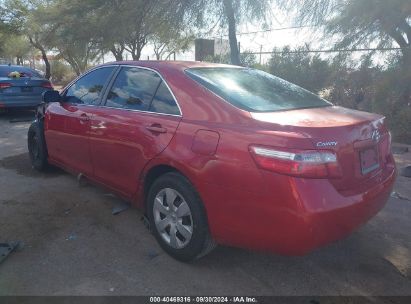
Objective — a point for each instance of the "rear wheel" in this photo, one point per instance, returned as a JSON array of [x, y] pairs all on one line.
[[178, 218], [37, 146]]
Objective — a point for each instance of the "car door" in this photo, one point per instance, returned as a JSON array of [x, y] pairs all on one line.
[[68, 123], [137, 122]]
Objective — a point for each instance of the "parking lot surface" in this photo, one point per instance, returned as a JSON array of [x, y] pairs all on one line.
[[73, 245]]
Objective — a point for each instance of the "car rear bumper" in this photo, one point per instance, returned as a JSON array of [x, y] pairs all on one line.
[[19, 101], [318, 215]]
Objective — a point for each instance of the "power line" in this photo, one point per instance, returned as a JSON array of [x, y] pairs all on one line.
[[276, 29], [325, 51], [268, 30]]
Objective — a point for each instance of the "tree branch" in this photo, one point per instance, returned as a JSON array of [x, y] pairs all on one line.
[[407, 29], [396, 35]]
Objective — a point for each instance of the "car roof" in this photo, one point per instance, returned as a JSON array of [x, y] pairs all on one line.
[[174, 65]]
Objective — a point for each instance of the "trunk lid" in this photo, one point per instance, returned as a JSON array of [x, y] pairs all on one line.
[[23, 86], [359, 139]]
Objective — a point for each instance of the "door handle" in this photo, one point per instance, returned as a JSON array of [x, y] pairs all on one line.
[[84, 118], [155, 128]]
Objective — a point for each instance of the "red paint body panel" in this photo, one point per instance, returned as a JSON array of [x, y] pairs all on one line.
[[67, 136], [210, 144], [121, 145]]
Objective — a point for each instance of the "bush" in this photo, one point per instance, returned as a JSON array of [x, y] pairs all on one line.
[[381, 89], [61, 73]]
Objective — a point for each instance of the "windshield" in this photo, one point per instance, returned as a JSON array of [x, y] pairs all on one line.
[[23, 71], [254, 90]]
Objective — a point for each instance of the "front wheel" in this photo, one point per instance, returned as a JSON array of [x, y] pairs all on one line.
[[37, 146], [178, 218]]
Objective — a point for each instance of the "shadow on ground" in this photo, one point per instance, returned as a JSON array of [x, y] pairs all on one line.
[[21, 165], [17, 116]]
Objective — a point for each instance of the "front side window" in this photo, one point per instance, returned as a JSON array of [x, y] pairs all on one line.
[[88, 89], [134, 89], [255, 91]]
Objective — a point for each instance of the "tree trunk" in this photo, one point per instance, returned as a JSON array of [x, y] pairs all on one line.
[[406, 75], [46, 63], [38, 46], [117, 52], [234, 52], [406, 55], [135, 56]]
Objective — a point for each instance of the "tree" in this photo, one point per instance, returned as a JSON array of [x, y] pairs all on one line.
[[367, 23], [16, 46], [299, 67], [6, 28], [229, 13], [360, 22], [30, 17], [129, 25], [79, 48], [169, 42]]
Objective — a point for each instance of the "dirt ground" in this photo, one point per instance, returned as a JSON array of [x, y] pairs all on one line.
[[73, 245]]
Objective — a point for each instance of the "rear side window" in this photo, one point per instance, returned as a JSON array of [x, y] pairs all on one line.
[[163, 101], [25, 72], [88, 89], [133, 88], [255, 91]]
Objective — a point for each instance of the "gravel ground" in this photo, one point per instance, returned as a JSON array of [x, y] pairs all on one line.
[[73, 245]]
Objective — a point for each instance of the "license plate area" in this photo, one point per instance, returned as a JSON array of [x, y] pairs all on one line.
[[26, 89], [369, 160]]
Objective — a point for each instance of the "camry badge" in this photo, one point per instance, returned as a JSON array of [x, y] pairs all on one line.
[[327, 144]]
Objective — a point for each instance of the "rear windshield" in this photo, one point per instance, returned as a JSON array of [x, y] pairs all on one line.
[[254, 90], [24, 72]]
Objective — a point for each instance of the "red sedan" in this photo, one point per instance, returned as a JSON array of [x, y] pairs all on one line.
[[217, 154]]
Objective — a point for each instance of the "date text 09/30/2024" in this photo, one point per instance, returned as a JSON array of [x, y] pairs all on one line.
[[238, 299]]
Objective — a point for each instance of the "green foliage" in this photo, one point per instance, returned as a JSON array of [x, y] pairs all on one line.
[[228, 14], [359, 22], [81, 31], [379, 89], [61, 73], [247, 59], [166, 42], [296, 65]]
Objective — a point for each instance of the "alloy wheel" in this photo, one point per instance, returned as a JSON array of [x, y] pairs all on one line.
[[172, 218]]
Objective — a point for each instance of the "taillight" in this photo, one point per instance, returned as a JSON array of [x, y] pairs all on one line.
[[5, 85], [47, 85], [305, 163]]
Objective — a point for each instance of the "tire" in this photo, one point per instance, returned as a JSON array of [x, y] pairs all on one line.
[[183, 232], [37, 146]]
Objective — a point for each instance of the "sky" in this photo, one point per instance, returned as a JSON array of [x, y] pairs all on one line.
[[256, 41], [283, 34], [253, 40]]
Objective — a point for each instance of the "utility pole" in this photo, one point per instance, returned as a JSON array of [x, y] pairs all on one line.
[[261, 53]]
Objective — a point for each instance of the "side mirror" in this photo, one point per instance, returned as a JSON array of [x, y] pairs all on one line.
[[51, 96]]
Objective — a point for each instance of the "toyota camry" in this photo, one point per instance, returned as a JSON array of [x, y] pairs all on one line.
[[218, 154]]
